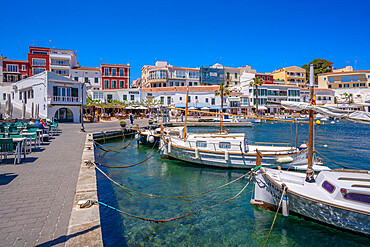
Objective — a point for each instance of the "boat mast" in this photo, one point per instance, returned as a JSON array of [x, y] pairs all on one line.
[[310, 171], [186, 111]]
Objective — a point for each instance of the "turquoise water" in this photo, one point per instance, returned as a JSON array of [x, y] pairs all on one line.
[[235, 223]]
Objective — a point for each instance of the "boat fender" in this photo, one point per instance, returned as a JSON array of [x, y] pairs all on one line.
[[285, 206], [169, 149], [227, 157], [151, 139], [197, 153], [137, 136], [284, 159]]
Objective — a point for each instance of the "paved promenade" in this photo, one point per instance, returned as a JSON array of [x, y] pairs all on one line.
[[36, 196]]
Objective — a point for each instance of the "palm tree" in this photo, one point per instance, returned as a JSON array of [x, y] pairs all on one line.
[[222, 91], [256, 82]]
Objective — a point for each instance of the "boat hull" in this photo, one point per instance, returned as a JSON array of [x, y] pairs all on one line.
[[216, 159], [144, 139], [268, 194]]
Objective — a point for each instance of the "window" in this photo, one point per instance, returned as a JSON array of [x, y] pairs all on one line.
[[121, 84], [236, 75], [121, 72], [227, 75], [329, 86], [12, 68], [195, 83], [106, 71], [132, 97], [171, 84], [114, 72], [180, 98], [180, 74], [98, 95], [86, 79], [40, 52], [345, 79], [324, 79], [23, 67], [20, 95], [206, 100], [106, 83], [162, 100], [362, 84], [213, 101], [182, 83], [355, 85], [164, 85], [236, 83], [124, 97], [346, 85], [358, 197], [169, 100], [340, 85], [189, 99], [196, 97], [319, 98], [225, 145], [177, 84], [193, 74], [158, 74], [76, 78], [329, 98], [96, 80], [114, 84], [201, 144], [190, 83], [354, 78], [331, 79], [38, 70], [4, 96], [38, 62]]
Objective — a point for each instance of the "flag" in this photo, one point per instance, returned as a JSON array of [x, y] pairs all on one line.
[[314, 100]]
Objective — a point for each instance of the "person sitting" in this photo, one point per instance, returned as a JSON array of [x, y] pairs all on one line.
[[38, 124], [43, 123], [32, 122]]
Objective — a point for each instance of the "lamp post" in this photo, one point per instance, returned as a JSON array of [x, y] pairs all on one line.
[[82, 102]]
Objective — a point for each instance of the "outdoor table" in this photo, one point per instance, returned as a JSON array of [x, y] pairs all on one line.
[[39, 132], [20, 145], [31, 134]]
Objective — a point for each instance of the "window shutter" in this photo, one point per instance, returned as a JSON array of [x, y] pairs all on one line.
[[55, 91], [74, 92]]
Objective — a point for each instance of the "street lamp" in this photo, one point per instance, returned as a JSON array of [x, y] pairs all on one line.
[[82, 102]]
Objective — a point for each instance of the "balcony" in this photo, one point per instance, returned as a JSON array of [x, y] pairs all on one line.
[[64, 100], [60, 56]]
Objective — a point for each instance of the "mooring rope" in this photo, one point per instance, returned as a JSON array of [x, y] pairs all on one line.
[[128, 144], [130, 165], [331, 160], [178, 217], [273, 222], [106, 149], [164, 196]]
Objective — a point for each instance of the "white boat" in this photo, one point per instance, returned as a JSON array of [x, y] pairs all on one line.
[[149, 136], [338, 197], [230, 150]]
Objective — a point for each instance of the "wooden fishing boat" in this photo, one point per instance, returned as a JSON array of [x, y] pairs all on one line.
[[230, 150], [340, 198]]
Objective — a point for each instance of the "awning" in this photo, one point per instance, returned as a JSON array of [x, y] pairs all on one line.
[[213, 107], [262, 107]]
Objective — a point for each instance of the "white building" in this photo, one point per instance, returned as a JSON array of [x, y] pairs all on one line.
[[165, 75], [89, 75], [62, 61], [57, 97], [199, 96]]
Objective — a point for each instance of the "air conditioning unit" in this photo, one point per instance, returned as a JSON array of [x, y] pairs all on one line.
[[15, 87]]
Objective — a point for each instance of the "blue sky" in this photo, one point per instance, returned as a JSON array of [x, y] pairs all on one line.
[[264, 34]]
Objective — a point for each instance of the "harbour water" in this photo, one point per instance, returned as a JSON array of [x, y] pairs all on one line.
[[235, 223]]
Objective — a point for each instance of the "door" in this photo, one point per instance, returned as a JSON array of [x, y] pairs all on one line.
[[109, 98]]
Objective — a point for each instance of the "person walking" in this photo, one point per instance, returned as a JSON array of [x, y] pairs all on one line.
[[131, 119]]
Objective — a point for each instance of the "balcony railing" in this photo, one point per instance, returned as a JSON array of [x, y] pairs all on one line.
[[65, 99], [59, 64]]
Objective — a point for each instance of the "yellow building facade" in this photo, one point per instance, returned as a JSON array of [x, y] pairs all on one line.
[[293, 75]]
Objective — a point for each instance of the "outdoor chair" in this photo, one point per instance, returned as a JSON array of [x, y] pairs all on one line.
[[6, 147]]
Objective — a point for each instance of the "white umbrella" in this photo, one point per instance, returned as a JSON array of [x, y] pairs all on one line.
[[32, 111], [205, 108], [192, 108], [142, 108], [23, 110]]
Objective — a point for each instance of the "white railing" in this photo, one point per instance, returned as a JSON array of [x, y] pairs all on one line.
[[65, 99]]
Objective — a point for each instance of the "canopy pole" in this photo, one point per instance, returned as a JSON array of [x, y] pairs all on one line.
[[186, 111], [310, 171]]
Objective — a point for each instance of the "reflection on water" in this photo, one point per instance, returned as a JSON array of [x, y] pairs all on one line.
[[235, 223]]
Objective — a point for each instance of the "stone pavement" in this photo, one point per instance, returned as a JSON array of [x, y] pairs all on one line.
[[36, 196]]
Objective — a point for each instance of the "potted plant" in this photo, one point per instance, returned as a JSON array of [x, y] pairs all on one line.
[[123, 124], [150, 121]]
